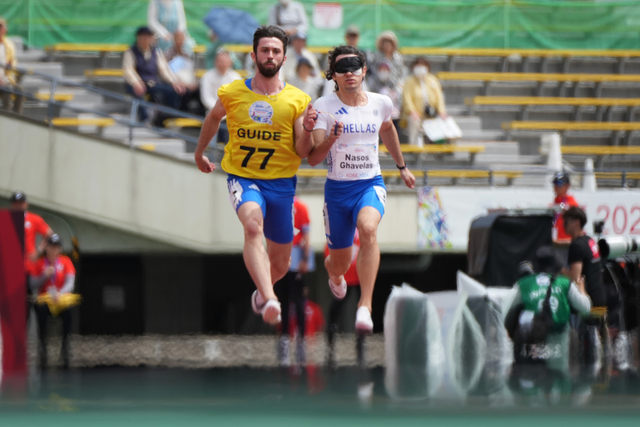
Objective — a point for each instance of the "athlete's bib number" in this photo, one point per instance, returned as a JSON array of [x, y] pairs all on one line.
[[252, 150], [356, 161]]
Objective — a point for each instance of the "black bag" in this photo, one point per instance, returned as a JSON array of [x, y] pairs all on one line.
[[542, 322]]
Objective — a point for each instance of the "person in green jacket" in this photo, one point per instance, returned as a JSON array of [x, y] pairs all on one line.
[[531, 291]]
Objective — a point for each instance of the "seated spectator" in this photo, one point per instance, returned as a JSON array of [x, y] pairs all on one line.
[[387, 49], [422, 99], [383, 83], [146, 72], [53, 275], [532, 296], [212, 50], [182, 63], [303, 79], [164, 18], [297, 51], [7, 77], [212, 80], [290, 16]]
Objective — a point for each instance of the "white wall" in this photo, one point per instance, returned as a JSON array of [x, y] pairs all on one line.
[[148, 194]]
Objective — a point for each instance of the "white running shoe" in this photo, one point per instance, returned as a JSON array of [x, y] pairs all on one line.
[[364, 323], [271, 312], [257, 302], [338, 291]]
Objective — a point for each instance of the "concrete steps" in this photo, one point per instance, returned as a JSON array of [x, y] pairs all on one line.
[[171, 147]]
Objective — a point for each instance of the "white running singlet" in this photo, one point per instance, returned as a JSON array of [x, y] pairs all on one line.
[[354, 155]]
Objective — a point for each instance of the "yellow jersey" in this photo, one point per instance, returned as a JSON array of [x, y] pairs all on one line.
[[261, 131]]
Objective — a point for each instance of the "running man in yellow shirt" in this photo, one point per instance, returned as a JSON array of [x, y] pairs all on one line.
[[270, 126]]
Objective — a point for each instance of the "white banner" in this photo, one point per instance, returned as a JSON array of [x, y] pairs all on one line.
[[445, 213], [327, 16]]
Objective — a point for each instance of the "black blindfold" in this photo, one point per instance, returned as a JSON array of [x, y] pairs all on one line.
[[350, 63]]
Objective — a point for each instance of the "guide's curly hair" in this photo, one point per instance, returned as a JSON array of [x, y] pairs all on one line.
[[342, 50]]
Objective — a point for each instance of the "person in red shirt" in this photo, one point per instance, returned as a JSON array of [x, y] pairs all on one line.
[[561, 183], [353, 286], [290, 289], [34, 225], [53, 274]]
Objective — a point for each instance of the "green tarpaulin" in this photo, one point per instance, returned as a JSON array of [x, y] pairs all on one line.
[[476, 23]]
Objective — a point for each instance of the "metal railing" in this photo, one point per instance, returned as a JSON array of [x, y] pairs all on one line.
[[131, 122]]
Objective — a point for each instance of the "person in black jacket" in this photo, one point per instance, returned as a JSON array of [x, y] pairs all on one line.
[[584, 257]]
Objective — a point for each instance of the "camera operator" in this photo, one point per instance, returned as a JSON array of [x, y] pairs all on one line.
[[584, 257]]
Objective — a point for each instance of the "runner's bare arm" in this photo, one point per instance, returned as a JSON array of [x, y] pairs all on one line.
[[390, 139], [302, 132], [209, 130], [322, 143]]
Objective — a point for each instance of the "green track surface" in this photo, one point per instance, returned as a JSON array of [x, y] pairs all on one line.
[[318, 397]]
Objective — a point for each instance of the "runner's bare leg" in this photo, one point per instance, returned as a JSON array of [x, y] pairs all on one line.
[[279, 259], [368, 260], [255, 256], [337, 263]]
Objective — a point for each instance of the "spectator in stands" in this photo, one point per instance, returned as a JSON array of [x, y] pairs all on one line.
[[563, 201], [304, 80], [212, 50], [34, 226], [584, 257], [182, 62], [422, 99], [146, 71], [298, 51], [290, 16], [164, 18], [387, 50], [383, 83], [7, 77], [290, 289], [53, 275], [352, 36], [212, 80]]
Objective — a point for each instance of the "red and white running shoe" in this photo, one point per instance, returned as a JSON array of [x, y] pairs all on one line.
[[338, 291]]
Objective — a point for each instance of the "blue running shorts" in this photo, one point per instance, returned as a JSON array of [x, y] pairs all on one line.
[[275, 197], [343, 201]]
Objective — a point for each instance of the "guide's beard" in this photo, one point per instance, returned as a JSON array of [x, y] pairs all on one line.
[[268, 72]]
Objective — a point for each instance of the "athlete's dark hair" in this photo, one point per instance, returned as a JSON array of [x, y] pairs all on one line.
[[342, 50], [268, 31], [575, 212]]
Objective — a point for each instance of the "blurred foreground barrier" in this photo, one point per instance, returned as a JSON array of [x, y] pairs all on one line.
[[13, 294], [452, 342]]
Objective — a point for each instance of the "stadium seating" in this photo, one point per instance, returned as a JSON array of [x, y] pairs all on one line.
[[438, 149], [59, 96], [497, 131], [117, 72], [541, 100], [577, 126]]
